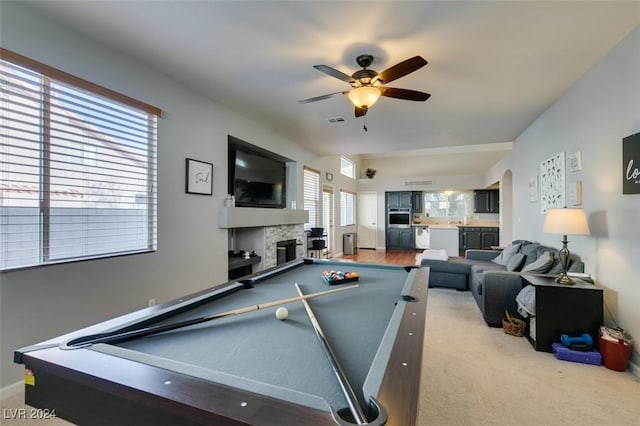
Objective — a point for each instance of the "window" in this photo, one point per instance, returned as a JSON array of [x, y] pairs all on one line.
[[347, 167], [448, 204], [77, 168], [327, 214], [347, 208], [312, 197]]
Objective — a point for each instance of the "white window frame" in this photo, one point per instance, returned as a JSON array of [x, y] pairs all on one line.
[[347, 167]]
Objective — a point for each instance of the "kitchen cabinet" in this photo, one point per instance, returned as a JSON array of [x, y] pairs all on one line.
[[416, 204], [477, 237], [486, 201], [400, 239], [399, 199], [490, 237]]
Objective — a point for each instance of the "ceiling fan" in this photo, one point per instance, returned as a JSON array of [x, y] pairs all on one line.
[[368, 85]]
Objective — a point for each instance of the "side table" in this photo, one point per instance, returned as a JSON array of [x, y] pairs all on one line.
[[562, 309]]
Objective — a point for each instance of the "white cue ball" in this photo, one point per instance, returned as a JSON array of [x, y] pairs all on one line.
[[282, 313]]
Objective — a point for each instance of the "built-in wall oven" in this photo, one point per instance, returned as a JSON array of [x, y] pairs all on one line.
[[399, 218]]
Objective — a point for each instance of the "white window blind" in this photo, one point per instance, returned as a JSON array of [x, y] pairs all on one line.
[[77, 168], [347, 208], [312, 197]]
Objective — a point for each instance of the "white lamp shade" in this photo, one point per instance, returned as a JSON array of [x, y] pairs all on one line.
[[566, 221], [364, 96]]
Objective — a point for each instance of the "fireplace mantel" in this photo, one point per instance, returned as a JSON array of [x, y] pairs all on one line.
[[244, 217]]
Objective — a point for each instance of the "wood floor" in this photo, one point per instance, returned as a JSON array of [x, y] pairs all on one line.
[[396, 257]]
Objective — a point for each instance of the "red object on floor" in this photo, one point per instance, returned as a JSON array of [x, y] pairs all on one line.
[[615, 355]]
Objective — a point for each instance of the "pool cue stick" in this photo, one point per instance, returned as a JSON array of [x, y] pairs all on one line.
[[347, 390], [85, 341]]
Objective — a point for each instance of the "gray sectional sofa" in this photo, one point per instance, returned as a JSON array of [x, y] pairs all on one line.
[[493, 285]]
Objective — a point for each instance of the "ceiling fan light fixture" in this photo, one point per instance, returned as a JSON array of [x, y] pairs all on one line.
[[364, 97]]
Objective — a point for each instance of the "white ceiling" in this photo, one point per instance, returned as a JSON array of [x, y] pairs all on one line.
[[494, 67]]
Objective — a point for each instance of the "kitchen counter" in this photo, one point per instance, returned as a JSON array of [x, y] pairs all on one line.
[[440, 226], [455, 225]]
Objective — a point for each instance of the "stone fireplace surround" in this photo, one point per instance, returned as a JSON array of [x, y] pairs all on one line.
[[264, 241], [259, 230]]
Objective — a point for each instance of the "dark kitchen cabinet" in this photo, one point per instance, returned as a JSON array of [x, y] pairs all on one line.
[[490, 237], [486, 201], [477, 237], [399, 199], [400, 239], [416, 205]]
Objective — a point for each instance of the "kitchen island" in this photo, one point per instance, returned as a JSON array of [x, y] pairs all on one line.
[[444, 237]]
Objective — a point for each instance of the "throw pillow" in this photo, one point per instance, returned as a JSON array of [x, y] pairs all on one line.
[[506, 254], [515, 263], [556, 266], [541, 265]]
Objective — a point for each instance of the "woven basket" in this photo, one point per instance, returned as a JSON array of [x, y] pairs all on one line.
[[513, 326]]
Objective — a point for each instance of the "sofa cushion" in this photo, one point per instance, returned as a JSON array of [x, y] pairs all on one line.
[[541, 265], [478, 267], [455, 265], [531, 252], [575, 265], [476, 278], [506, 254], [556, 266], [515, 263]]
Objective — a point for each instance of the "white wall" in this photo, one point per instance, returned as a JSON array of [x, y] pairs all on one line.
[[41, 303], [592, 117]]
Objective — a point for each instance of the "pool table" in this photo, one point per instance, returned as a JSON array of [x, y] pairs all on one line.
[[250, 368]]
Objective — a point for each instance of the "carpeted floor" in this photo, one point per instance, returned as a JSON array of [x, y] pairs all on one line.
[[477, 375]]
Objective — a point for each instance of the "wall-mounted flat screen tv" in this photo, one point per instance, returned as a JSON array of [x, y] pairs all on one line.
[[257, 177]]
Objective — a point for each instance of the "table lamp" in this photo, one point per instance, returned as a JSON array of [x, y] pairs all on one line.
[[566, 222]]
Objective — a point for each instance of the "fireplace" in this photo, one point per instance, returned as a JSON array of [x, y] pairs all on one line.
[[286, 251]]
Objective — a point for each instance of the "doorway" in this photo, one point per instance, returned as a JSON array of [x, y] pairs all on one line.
[[327, 216], [367, 219]]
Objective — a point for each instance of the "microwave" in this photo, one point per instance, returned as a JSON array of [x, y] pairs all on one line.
[[399, 218]]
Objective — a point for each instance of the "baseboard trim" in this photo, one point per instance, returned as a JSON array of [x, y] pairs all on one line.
[[11, 390], [634, 369]]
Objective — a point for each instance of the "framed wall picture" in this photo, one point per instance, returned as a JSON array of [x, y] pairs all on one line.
[[533, 188], [199, 177], [631, 164], [552, 191], [575, 161], [574, 193], [328, 176]]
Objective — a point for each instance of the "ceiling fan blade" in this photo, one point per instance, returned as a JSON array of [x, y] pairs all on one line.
[[401, 69], [409, 95], [361, 112], [335, 73], [320, 98]]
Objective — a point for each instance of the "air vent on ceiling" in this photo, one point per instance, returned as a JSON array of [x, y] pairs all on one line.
[[418, 183], [336, 120]]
